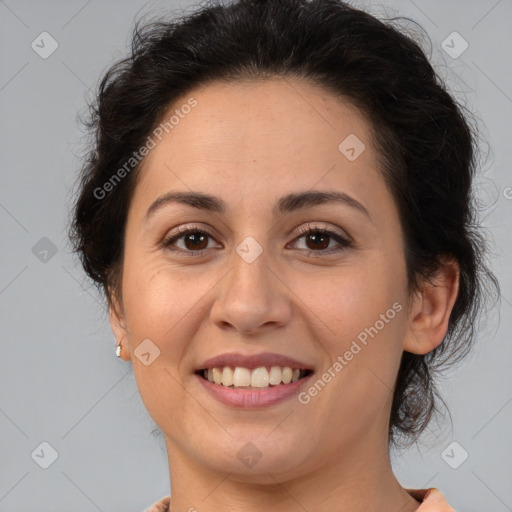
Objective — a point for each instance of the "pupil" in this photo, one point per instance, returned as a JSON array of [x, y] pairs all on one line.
[[196, 239], [316, 240]]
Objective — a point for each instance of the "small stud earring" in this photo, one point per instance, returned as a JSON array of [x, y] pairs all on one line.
[[118, 350]]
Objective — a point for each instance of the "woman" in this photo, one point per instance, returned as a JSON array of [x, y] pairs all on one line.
[[278, 207]]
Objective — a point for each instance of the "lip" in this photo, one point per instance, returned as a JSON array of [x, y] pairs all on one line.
[[252, 361], [253, 398]]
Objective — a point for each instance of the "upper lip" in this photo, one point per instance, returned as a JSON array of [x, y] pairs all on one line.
[[252, 361]]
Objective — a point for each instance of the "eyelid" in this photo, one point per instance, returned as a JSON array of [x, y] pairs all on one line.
[[185, 229], [304, 230]]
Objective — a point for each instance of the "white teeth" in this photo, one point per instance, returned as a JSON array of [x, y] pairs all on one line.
[[217, 375], [275, 375], [287, 375], [241, 377], [227, 376], [260, 377]]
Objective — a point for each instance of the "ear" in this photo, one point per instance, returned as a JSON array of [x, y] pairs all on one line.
[[118, 325], [431, 308]]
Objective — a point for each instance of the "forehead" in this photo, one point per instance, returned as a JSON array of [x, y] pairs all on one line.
[[264, 118], [258, 138]]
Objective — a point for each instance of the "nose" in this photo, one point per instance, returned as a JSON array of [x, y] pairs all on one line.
[[252, 297]]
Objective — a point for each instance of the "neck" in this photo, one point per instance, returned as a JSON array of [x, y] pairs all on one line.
[[353, 480]]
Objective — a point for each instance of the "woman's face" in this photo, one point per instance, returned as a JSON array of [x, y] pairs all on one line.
[[248, 282]]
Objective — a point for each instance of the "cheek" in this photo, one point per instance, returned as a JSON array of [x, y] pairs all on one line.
[[152, 298], [165, 304], [345, 302], [158, 301], [359, 312], [361, 332]]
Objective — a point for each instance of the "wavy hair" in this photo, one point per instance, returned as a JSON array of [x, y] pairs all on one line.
[[425, 141]]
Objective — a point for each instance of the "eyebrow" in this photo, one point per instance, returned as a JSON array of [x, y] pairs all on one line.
[[286, 204]]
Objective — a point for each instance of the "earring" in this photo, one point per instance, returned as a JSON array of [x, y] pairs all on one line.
[[118, 350]]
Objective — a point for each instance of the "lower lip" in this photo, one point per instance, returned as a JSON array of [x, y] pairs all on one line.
[[251, 398]]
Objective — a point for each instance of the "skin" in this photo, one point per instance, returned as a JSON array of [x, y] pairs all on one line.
[[249, 143]]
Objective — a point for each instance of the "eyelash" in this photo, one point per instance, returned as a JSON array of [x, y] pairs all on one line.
[[344, 243]]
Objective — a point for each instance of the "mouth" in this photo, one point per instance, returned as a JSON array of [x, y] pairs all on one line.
[[262, 377]]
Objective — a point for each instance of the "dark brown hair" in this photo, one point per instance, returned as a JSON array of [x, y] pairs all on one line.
[[425, 142]]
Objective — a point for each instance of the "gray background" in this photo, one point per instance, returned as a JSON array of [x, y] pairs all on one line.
[[60, 380]]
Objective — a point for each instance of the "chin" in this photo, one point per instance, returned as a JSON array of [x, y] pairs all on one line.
[[259, 460]]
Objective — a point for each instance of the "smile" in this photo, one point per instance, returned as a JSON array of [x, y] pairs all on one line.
[[256, 378], [249, 381]]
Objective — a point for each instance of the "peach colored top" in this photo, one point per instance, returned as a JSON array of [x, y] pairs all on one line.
[[432, 500]]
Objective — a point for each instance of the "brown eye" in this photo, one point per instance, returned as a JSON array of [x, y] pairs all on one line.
[[318, 240], [193, 241]]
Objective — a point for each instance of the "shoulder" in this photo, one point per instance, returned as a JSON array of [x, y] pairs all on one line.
[[162, 505], [432, 500]]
